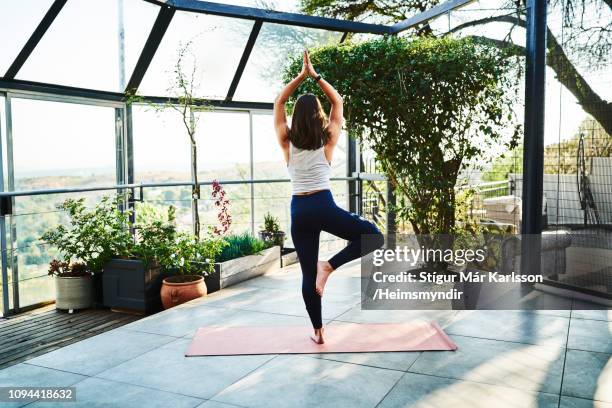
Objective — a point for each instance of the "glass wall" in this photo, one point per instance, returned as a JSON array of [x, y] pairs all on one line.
[[67, 145]]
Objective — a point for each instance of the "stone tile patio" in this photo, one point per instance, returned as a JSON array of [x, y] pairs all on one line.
[[505, 358]]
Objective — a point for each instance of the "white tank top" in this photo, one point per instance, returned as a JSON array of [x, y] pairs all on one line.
[[308, 169]]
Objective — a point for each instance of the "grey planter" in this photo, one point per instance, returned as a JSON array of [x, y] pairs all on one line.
[[129, 284], [275, 238], [73, 293], [231, 272], [288, 257]]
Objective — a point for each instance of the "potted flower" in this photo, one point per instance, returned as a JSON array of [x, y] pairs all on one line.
[[91, 238], [192, 259], [272, 232], [73, 285]]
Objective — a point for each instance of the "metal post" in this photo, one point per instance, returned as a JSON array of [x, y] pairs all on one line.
[[3, 247], [351, 171], [391, 216], [11, 187], [121, 39], [251, 159], [129, 157], [533, 156]]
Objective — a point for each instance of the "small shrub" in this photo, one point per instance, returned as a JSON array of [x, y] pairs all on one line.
[[239, 245], [271, 223]]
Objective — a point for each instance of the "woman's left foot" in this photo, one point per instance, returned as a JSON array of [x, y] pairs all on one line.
[[318, 336], [324, 269]]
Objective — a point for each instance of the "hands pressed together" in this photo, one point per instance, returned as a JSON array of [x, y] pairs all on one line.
[[307, 68]]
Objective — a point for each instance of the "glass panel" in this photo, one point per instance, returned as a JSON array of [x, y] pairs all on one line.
[[163, 197], [18, 20], [268, 159], [262, 77], [61, 144], [274, 198], [223, 146], [81, 48], [217, 45], [68, 145], [239, 208], [161, 146]]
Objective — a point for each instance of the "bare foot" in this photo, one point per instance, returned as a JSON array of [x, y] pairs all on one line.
[[324, 269], [318, 336]]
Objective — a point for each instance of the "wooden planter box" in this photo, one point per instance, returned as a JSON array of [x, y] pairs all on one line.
[[128, 284], [231, 272]]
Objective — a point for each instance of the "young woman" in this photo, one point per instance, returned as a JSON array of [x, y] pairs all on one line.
[[308, 146]]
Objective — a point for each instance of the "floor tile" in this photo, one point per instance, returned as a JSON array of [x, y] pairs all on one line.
[[571, 402], [522, 366], [99, 393], [602, 314], [390, 360], [283, 302], [27, 375], [167, 369], [300, 381], [588, 375], [423, 391], [590, 335], [98, 353], [357, 315], [517, 326], [217, 404]]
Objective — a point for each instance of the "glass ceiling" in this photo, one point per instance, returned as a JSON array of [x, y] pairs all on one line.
[[82, 47], [100, 45]]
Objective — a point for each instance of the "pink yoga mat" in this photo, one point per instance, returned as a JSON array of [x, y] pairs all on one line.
[[339, 338]]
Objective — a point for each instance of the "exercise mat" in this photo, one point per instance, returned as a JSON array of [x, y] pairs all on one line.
[[339, 338]]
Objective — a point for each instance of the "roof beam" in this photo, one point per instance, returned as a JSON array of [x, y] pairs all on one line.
[[40, 88], [244, 59], [272, 16], [164, 17], [35, 38], [427, 15]]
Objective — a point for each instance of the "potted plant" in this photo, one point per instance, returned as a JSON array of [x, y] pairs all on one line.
[[73, 285], [272, 232], [192, 259], [134, 281], [92, 237], [245, 257]]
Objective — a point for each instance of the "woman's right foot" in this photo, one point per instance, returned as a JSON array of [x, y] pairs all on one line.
[[324, 269], [318, 336]]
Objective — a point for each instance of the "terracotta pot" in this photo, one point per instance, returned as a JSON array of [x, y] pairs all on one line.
[[181, 288]]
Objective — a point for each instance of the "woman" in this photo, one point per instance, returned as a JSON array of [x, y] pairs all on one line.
[[308, 146]]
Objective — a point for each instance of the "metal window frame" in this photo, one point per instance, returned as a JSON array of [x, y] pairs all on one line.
[[160, 26]]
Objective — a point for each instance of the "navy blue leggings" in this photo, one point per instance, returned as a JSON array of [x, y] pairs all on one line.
[[313, 213]]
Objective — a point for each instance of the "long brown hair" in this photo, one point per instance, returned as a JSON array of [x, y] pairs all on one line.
[[308, 123]]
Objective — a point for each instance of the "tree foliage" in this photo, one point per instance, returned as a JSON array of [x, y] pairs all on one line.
[[426, 107], [585, 39]]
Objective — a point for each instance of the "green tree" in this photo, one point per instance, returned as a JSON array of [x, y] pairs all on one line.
[[586, 36], [426, 107]]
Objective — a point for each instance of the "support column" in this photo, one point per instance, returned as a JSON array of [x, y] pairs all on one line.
[[352, 169], [391, 216], [533, 156]]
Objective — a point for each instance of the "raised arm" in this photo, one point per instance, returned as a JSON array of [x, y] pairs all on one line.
[[336, 113], [280, 116]]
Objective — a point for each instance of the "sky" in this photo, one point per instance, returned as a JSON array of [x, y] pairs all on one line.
[[81, 49]]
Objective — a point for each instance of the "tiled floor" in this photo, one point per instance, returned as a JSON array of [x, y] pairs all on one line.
[[505, 358]]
